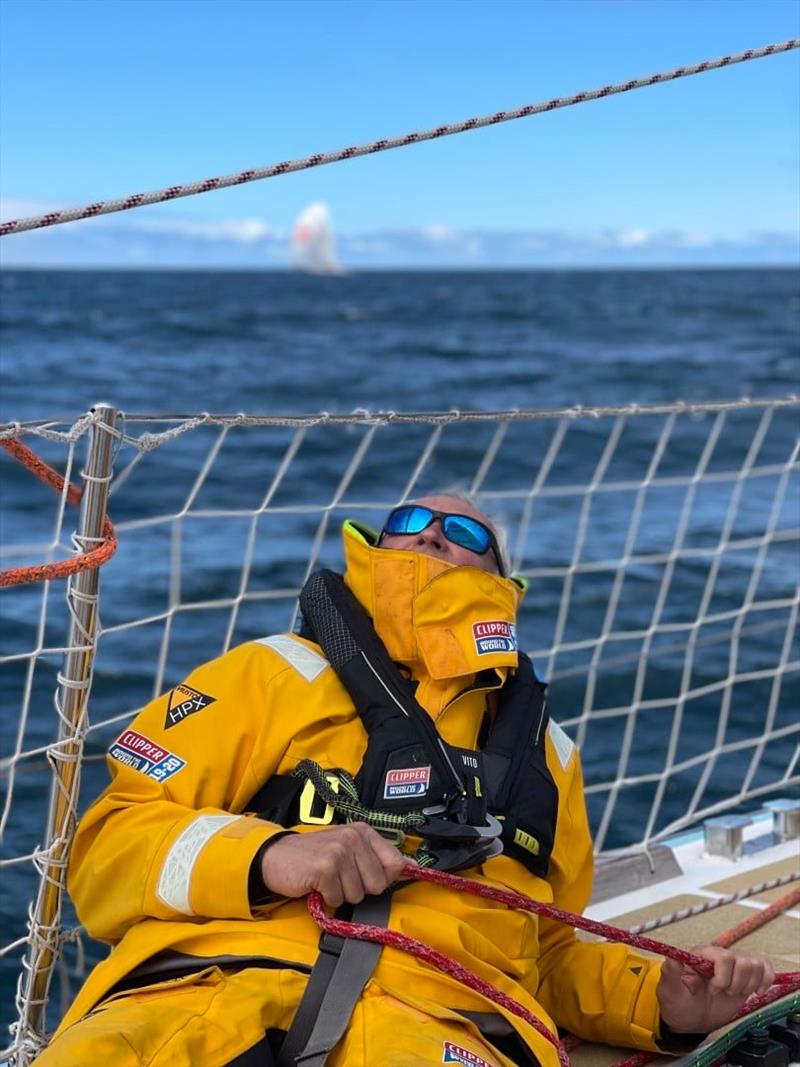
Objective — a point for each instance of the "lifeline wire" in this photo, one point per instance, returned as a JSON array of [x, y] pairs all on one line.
[[106, 207]]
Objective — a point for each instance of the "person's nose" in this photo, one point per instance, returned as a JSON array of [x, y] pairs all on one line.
[[433, 535]]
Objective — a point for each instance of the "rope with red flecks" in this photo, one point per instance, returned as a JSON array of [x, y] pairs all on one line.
[[319, 159], [726, 939], [43, 572], [785, 982]]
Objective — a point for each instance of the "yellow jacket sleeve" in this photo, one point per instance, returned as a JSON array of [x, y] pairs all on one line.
[[164, 839], [599, 991]]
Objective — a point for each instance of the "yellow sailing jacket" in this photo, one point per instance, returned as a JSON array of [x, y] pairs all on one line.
[[161, 859]]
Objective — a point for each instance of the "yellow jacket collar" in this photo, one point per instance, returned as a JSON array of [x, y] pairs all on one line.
[[439, 619]]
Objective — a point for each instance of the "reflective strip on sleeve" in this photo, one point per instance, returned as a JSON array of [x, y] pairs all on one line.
[[176, 874], [304, 660], [562, 743]]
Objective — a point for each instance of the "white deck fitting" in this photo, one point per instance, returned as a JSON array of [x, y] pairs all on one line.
[[700, 870]]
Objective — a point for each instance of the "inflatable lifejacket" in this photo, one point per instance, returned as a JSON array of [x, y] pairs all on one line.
[[466, 804]]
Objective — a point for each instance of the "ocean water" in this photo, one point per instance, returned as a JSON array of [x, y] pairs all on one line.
[[274, 343]]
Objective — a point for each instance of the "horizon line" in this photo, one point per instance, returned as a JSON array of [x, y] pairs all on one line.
[[407, 269]]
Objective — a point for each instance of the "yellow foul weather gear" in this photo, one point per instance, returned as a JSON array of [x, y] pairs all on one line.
[[161, 860]]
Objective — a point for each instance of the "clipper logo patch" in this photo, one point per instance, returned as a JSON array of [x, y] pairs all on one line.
[[457, 1054], [408, 782], [137, 751], [494, 636], [183, 702]]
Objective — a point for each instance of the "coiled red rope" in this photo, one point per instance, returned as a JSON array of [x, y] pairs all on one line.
[[43, 572], [785, 982]]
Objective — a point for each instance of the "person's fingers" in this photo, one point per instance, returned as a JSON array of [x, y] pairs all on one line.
[[761, 976], [374, 877], [724, 962], [344, 863], [767, 978], [692, 981], [343, 852], [328, 882], [675, 977], [745, 976], [388, 855]]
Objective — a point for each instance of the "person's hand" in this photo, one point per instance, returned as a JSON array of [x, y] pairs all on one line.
[[691, 1003], [344, 863]]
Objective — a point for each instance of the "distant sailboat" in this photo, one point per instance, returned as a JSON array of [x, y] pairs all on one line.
[[312, 241]]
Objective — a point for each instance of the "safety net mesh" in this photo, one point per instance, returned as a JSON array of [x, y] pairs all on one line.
[[661, 544]]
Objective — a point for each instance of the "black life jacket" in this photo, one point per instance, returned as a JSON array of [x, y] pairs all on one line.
[[470, 797]]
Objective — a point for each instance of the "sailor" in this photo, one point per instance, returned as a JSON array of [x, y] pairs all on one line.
[[402, 721]]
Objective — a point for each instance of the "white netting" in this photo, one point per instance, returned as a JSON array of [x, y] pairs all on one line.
[[661, 544]]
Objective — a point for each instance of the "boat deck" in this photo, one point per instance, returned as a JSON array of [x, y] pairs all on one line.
[[629, 892]]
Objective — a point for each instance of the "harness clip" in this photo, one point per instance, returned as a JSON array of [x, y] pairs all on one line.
[[307, 798]]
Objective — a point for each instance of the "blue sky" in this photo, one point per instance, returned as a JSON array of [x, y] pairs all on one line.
[[100, 99]]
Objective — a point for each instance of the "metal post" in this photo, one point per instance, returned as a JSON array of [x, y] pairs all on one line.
[[66, 755]]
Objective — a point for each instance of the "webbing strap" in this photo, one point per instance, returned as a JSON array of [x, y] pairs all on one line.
[[342, 970]]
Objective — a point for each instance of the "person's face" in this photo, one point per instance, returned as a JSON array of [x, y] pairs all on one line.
[[433, 542]]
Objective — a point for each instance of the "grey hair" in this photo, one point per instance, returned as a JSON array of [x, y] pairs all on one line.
[[498, 529]]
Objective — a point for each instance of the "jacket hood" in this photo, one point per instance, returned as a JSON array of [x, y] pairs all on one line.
[[438, 619]]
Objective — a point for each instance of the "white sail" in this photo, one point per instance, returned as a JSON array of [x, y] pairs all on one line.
[[312, 241]]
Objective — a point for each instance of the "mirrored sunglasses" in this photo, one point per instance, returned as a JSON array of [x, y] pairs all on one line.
[[461, 530]]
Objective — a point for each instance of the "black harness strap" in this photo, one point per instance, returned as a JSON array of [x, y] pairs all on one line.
[[499, 1032], [343, 968]]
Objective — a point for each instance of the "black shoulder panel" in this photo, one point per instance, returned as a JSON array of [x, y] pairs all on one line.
[[521, 790]]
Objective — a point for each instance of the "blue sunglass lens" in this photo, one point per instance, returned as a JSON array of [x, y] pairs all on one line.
[[409, 520], [461, 530], [467, 533]]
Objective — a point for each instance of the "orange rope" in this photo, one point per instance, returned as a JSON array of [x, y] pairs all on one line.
[[759, 919], [43, 572], [724, 940]]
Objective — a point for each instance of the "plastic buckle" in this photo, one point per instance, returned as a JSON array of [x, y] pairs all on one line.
[[449, 830], [455, 857], [307, 798]]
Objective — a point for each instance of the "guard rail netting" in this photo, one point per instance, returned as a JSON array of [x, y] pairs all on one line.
[[660, 543]]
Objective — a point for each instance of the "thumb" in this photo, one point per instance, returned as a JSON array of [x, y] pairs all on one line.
[[692, 980], [676, 976]]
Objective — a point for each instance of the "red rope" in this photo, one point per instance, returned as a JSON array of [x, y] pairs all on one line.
[[549, 911], [382, 936], [725, 939], [44, 572], [752, 1004], [785, 982]]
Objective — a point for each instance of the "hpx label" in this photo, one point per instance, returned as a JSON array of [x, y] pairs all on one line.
[[183, 702], [494, 636], [457, 1054], [407, 782], [137, 751]]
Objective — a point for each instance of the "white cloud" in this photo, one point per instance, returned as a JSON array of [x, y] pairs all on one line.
[[159, 238], [438, 233], [240, 231], [695, 240], [633, 238]]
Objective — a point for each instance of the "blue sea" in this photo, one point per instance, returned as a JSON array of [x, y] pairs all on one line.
[[275, 342], [180, 343]]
